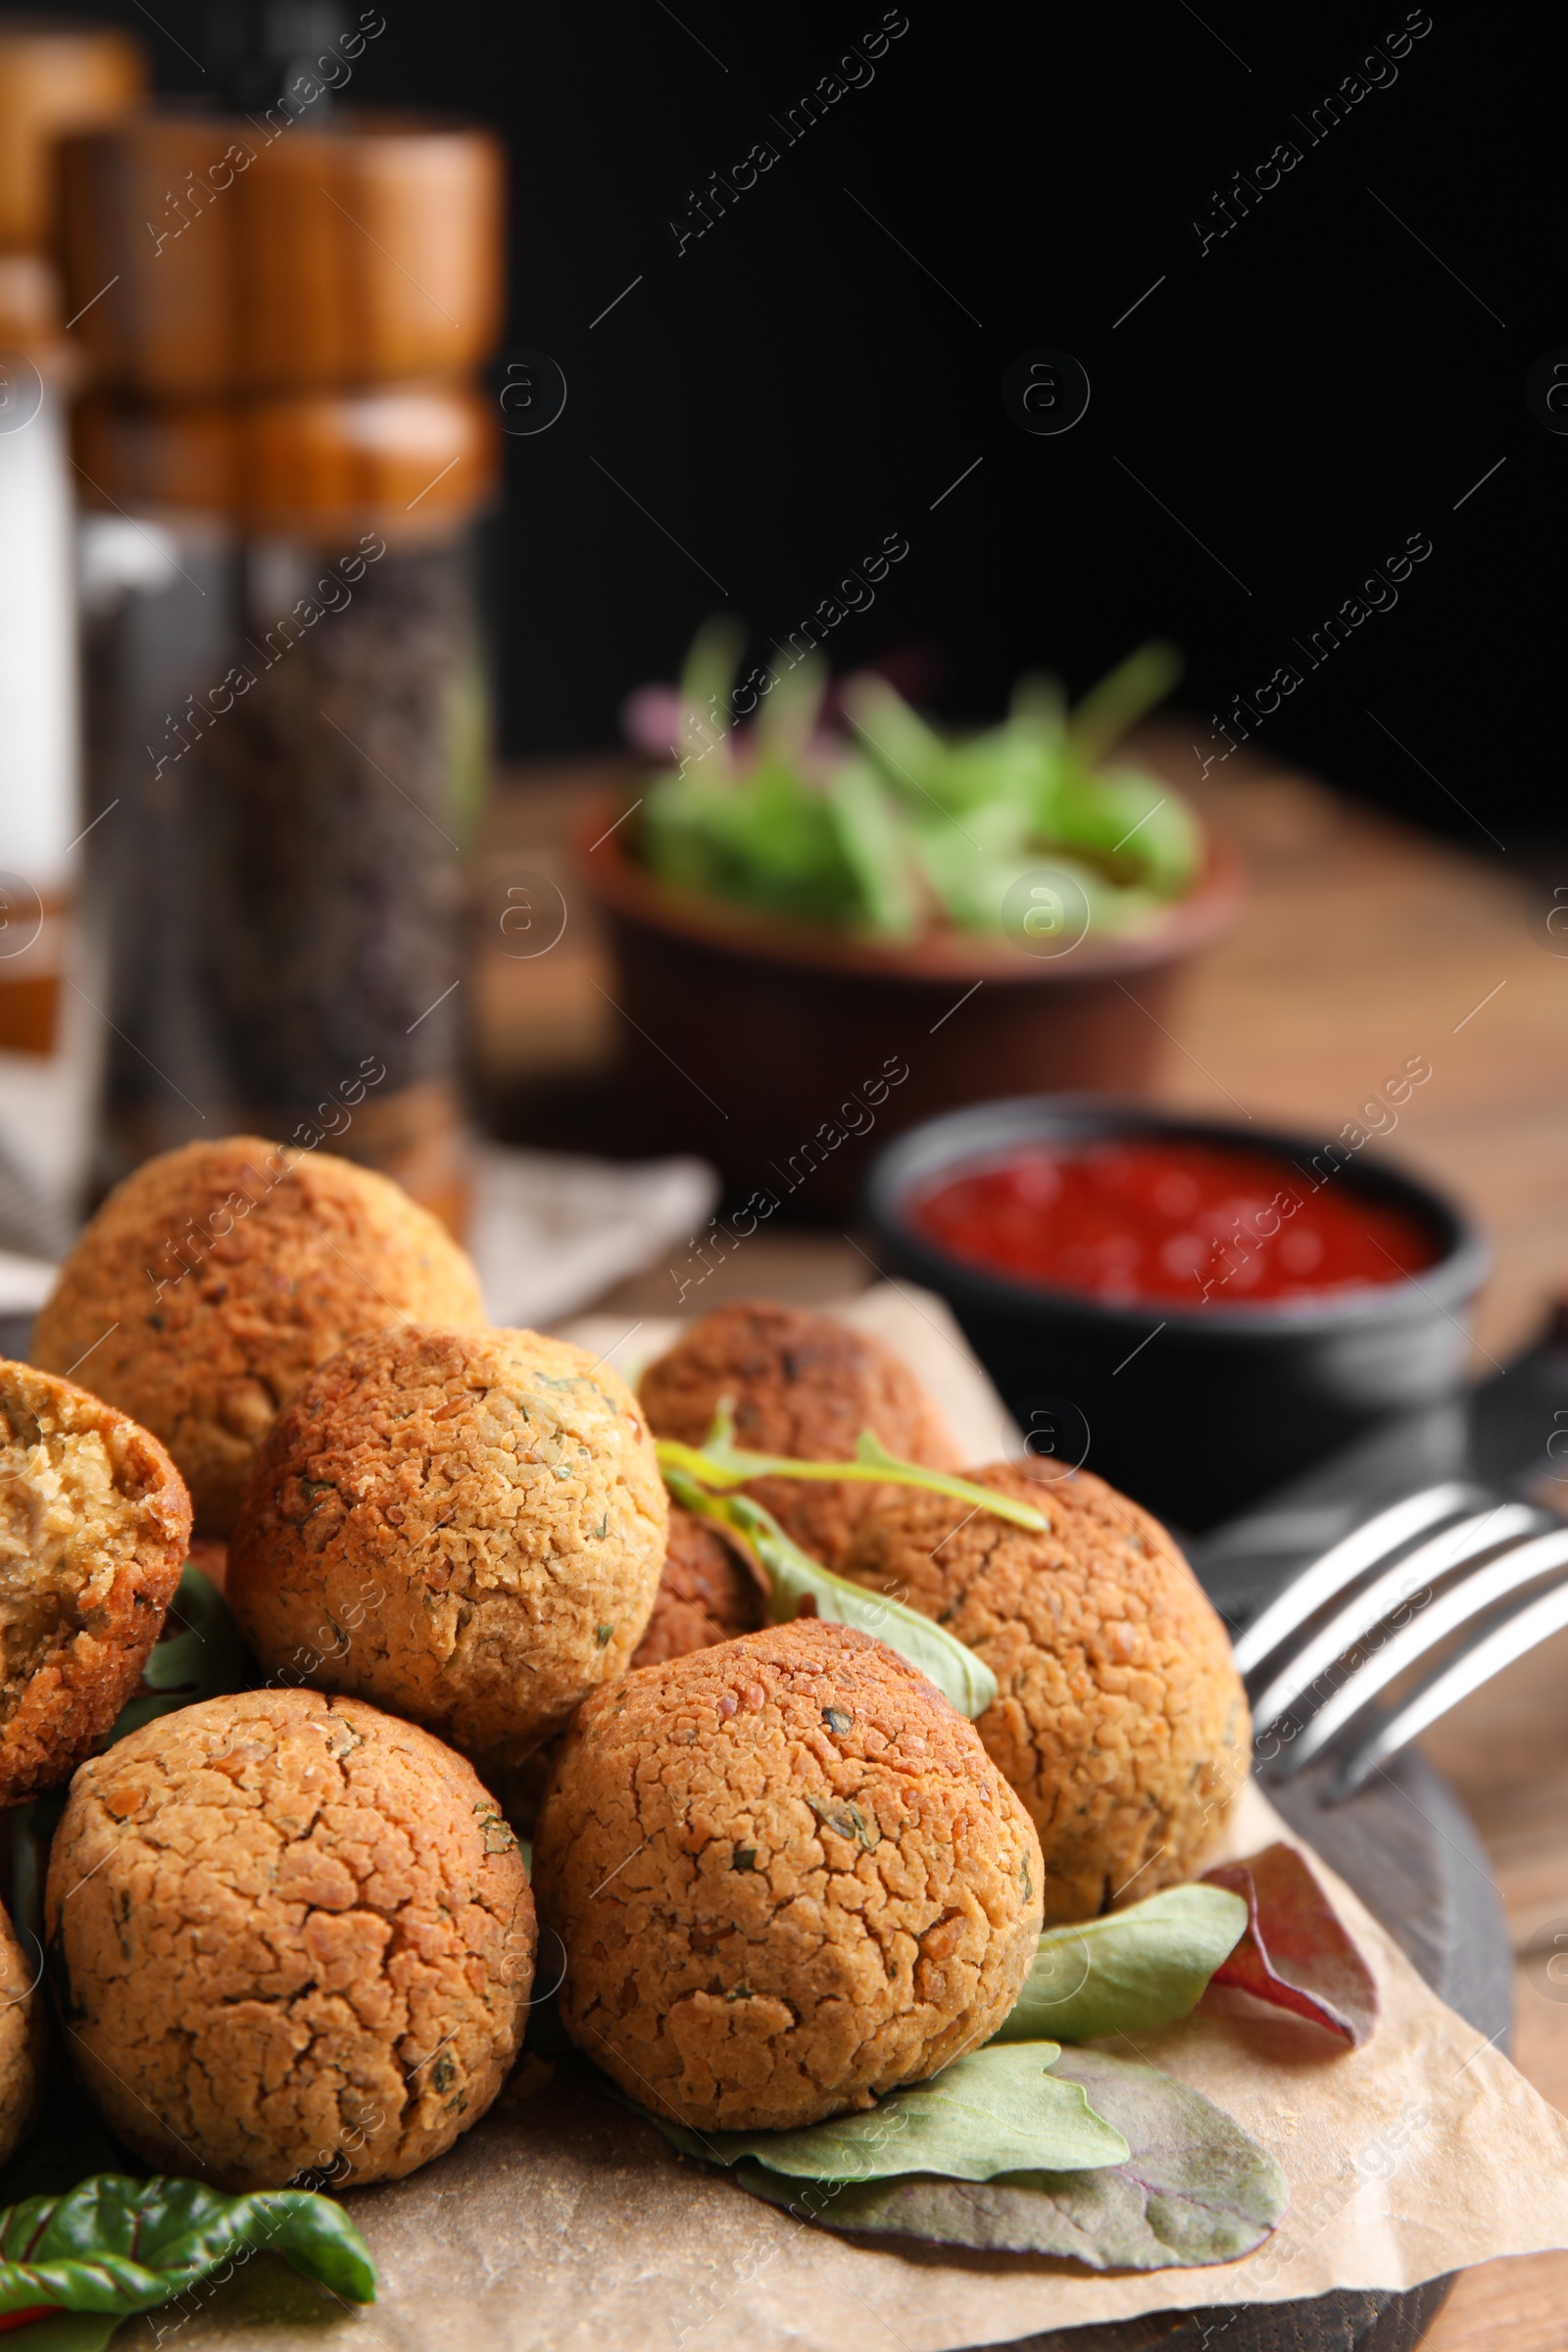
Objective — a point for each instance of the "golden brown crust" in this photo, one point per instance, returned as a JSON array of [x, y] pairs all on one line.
[[805, 1385], [94, 1525], [787, 1877], [293, 1935], [467, 1527], [1121, 1720], [706, 1594], [24, 2038], [216, 1278]]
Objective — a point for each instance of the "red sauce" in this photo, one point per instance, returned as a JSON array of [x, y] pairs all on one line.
[[1169, 1222]]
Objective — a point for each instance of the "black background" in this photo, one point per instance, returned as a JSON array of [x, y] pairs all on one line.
[[800, 382]]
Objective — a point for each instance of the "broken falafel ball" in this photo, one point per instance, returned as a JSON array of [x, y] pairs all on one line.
[[293, 1935], [467, 1527], [1120, 1718], [216, 1277], [804, 1385], [94, 1523], [787, 1877]]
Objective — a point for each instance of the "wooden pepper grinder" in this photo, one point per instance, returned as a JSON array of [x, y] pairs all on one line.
[[282, 459]]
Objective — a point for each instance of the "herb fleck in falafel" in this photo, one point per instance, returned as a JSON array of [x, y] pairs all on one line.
[[467, 1527], [214, 1278], [804, 1385], [1120, 1720], [787, 1877], [294, 1936]]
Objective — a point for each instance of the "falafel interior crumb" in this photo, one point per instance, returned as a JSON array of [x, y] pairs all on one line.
[[66, 1530]]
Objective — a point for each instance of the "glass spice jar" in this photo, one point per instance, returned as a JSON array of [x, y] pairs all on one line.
[[286, 747]]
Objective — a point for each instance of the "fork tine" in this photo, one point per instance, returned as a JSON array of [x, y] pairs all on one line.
[[1347, 1559], [1524, 1564], [1438, 1557], [1487, 1654]]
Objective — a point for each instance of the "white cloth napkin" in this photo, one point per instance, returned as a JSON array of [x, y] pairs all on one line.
[[550, 1231]]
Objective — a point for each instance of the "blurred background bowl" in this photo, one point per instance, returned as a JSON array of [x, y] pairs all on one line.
[[745, 1035], [1193, 1411]]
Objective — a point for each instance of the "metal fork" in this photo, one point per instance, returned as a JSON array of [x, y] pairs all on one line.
[[1452, 1569]]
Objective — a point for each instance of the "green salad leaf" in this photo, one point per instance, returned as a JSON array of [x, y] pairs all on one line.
[[198, 1654], [998, 2110], [896, 826], [1191, 2189], [1123, 697], [118, 2245], [799, 1587], [718, 1462], [1130, 1971]]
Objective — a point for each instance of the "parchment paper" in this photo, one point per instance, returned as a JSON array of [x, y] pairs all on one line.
[[560, 2224], [914, 1323]]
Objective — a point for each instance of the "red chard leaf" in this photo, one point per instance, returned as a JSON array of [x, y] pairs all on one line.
[[1296, 1953]]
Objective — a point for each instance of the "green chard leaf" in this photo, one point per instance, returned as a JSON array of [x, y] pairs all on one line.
[[68, 2331], [115, 2245], [1193, 2188], [995, 2111], [1296, 1953], [1130, 1971], [799, 1587]]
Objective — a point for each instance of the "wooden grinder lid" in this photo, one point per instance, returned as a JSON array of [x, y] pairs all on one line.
[[411, 460], [241, 254]]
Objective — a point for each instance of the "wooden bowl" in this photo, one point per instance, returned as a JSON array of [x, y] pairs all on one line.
[[776, 1048]]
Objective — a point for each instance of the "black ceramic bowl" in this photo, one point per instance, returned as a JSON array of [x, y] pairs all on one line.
[[1193, 1411]]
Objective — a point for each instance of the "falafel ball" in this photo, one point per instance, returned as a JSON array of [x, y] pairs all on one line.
[[802, 1384], [1120, 1719], [293, 1934], [464, 1526], [24, 2039], [787, 1878], [94, 1522], [707, 1592], [214, 1278]]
